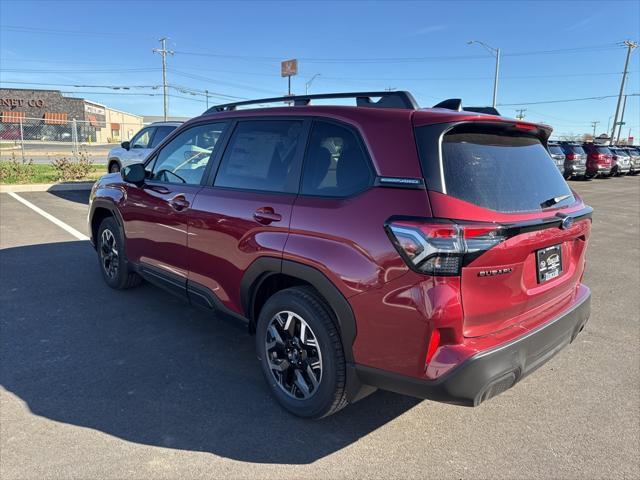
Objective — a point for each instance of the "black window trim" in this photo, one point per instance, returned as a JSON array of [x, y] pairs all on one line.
[[298, 158], [373, 177], [151, 159]]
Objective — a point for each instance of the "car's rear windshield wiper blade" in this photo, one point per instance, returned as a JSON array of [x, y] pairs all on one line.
[[552, 201]]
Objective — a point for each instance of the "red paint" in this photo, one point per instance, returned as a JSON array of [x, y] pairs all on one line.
[[402, 317]]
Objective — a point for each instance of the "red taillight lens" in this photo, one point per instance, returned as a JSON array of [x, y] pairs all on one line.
[[570, 156], [434, 343], [439, 248]]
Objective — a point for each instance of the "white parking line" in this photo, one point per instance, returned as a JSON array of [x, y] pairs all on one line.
[[51, 218]]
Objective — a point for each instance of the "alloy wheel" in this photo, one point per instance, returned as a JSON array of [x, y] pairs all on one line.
[[109, 253], [293, 355]]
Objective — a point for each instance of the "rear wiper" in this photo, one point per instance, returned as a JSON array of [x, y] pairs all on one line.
[[552, 201]]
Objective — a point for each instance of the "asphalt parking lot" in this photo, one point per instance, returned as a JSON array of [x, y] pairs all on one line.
[[103, 384]]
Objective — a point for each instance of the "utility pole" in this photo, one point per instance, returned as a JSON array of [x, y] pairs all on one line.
[[621, 122], [163, 51], [520, 115], [206, 94], [594, 124], [630, 46]]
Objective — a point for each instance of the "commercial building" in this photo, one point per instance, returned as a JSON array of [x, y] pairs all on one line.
[[49, 115]]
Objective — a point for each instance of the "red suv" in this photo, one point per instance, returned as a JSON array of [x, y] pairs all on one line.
[[599, 159], [433, 252]]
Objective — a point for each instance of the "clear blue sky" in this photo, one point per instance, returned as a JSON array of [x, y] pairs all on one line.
[[234, 49]]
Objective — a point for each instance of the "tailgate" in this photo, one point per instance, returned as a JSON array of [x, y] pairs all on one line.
[[525, 231]]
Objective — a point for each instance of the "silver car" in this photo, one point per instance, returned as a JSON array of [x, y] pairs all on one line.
[[137, 149]]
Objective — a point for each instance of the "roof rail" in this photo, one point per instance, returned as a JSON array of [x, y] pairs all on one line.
[[393, 99], [455, 104]]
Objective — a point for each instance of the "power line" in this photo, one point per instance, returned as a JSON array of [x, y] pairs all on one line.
[[114, 87], [602, 97], [180, 88], [221, 82], [135, 94], [582, 49], [119, 70]]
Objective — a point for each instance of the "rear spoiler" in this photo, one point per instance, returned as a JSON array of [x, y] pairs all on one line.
[[456, 105]]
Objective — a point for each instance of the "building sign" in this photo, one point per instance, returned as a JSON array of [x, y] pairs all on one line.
[[289, 68], [95, 109], [21, 102]]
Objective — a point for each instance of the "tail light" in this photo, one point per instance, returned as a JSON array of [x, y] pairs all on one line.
[[441, 247], [570, 156]]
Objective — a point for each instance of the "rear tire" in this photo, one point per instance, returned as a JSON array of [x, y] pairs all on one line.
[[303, 363], [112, 258]]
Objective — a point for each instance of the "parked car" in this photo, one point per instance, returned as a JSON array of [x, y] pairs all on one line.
[[634, 153], [621, 161], [432, 252], [10, 133], [599, 159], [575, 163], [142, 143], [558, 156]]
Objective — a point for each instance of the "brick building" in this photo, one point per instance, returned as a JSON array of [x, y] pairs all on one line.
[[49, 115]]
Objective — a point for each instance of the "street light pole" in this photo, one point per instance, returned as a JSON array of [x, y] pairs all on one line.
[[496, 52], [630, 46], [495, 78], [308, 84], [163, 52]]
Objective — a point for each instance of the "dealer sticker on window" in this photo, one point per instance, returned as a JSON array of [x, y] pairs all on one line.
[[549, 263]]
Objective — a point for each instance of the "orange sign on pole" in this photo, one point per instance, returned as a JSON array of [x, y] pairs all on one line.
[[289, 68]]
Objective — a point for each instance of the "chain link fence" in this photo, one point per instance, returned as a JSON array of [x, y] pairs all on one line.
[[45, 140]]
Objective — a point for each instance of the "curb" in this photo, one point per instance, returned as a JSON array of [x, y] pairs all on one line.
[[46, 187]]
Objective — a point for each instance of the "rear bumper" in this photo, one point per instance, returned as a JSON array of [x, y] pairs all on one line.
[[575, 169], [489, 373]]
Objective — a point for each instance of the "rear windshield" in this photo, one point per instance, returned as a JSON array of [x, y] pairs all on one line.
[[603, 150], [619, 151], [555, 149], [502, 171], [577, 149]]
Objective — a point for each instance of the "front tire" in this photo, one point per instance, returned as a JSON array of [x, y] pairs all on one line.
[[114, 167], [112, 258], [301, 354]]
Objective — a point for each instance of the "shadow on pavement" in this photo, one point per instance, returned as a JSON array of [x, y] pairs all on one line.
[[78, 196], [149, 368]]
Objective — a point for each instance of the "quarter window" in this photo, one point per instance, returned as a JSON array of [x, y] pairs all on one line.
[[335, 164], [184, 159], [262, 155]]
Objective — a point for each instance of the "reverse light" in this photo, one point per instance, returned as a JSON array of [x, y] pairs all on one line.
[[440, 247]]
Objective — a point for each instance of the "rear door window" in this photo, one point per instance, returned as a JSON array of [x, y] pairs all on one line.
[[142, 138], [501, 170], [335, 163], [263, 155], [555, 150], [161, 133]]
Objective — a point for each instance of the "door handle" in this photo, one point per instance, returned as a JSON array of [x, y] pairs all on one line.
[[266, 215], [179, 203]]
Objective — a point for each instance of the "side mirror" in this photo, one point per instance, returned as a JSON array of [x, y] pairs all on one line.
[[125, 145], [134, 173]]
